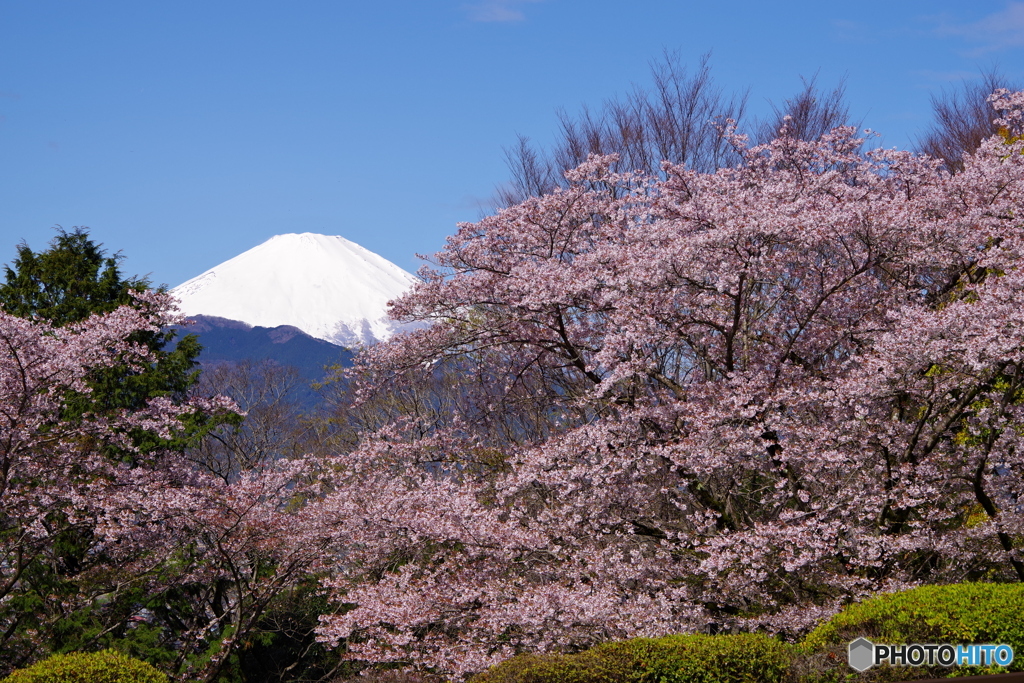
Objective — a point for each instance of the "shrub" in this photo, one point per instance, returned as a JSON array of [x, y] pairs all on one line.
[[962, 613], [609, 663], [107, 666], [672, 659], [712, 659]]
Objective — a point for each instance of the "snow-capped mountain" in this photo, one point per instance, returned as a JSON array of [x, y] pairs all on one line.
[[325, 285]]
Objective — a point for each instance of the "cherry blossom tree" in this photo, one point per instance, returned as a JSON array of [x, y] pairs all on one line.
[[192, 559], [54, 464], [727, 400], [220, 555]]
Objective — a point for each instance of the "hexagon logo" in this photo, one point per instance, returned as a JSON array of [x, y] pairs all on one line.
[[862, 654]]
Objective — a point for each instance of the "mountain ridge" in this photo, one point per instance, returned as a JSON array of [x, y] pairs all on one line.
[[231, 341]]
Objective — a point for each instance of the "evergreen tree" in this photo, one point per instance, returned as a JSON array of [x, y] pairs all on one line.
[[70, 281], [75, 278]]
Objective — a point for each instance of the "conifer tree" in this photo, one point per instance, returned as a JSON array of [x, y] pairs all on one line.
[[74, 279], [67, 283]]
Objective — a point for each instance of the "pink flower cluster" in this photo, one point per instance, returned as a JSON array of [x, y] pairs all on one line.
[[735, 399], [730, 400], [158, 523]]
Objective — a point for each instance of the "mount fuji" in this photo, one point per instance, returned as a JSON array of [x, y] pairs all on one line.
[[326, 286]]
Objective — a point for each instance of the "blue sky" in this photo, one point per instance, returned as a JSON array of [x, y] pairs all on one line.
[[183, 133]]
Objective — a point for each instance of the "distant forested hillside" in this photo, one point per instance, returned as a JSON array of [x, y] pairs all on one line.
[[232, 341]]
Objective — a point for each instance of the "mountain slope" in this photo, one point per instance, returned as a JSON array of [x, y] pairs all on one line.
[[327, 286], [230, 341]]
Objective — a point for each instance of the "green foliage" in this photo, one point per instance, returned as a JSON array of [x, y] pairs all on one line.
[[603, 664], [965, 613], [672, 659], [74, 279], [968, 613], [107, 666], [67, 283], [712, 659]]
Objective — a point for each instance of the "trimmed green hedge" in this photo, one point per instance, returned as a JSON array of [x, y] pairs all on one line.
[[740, 658], [969, 613], [602, 664], [964, 613], [737, 658], [957, 613], [107, 666]]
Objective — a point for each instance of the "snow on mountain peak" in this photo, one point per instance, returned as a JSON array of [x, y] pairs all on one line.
[[325, 285]]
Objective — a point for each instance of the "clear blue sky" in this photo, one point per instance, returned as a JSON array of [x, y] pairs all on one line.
[[183, 133]]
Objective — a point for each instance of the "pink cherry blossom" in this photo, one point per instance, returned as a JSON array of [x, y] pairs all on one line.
[[737, 399]]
